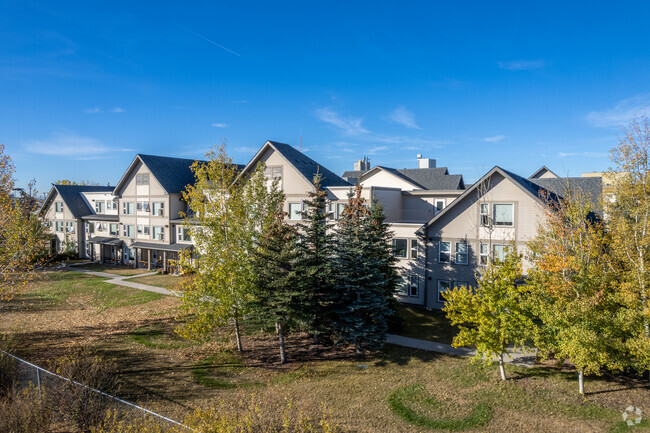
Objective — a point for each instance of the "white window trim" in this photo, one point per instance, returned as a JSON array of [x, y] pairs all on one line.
[[406, 250], [466, 253], [411, 284], [436, 211], [494, 224], [442, 301], [300, 205], [440, 251]]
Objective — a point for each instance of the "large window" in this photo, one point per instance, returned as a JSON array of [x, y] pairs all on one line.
[[143, 206], [113, 229], [58, 206], [499, 252], [400, 248], [159, 233], [127, 208], [485, 215], [69, 227], [444, 253], [128, 230], [99, 206], [295, 211], [158, 208], [58, 226], [90, 228], [460, 284], [183, 234], [340, 207], [443, 287], [142, 179], [503, 214], [461, 253]]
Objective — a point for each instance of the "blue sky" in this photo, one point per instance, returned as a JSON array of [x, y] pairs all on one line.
[[86, 85]]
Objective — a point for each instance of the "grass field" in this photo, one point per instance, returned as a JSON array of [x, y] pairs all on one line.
[[166, 281], [417, 322], [394, 390], [110, 269]]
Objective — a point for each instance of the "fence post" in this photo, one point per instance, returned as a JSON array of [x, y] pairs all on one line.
[[38, 381]]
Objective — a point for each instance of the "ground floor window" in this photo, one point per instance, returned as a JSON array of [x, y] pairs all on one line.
[[443, 287]]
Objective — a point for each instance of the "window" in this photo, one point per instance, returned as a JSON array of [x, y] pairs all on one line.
[[100, 227], [99, 206], [414, 248], [127, 208], [139, 228], [443, 286], [159, 233], [69, 227], [58, 206], [340, 207], [128, 230], [109, 204], [295, 211], [90, 228], [444, 253], [485, 216], [113, 229], [58, 226], [460, 284], [499, 252], [158, 208], [183, 234], [400, 248], [143, 206], [413, 288], [146, 230], [142, 179], [503, 214], [440, 205], [484, 253], [461, 253]]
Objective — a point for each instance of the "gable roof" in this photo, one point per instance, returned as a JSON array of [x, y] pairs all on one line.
[[431, 179], [173, 174], [71, 196], [555, 187], [306, 166], [541, 172]]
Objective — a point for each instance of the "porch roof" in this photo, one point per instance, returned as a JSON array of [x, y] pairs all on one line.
[[161, 247], [105, 241]]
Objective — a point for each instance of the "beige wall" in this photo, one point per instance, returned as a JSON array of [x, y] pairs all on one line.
[[52, 217], [383, 178]]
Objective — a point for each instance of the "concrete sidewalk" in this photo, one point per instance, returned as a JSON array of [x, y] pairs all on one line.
[[120, 280], [524, 359]]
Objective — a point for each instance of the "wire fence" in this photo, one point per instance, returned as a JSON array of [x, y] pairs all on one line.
[[27, 374]]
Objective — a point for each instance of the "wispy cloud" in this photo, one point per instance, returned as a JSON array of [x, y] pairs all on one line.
[[622, 113], [117, 110], [584, 154], [210, 41], [97, 110], [349, 125], [404, 117], [219, 125], [71, 145], [494, 139], [374, 150], [522, 65], [240, 101]]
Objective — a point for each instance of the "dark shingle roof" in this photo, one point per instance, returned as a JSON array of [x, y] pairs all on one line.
[[352, 175], [434, 178], [173, 174], [307, 166], [71, 196]]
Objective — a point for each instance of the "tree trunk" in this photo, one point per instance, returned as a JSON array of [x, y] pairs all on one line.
[[237, 335], [283, 353], [316, 338], [581, 382], [502, 368]]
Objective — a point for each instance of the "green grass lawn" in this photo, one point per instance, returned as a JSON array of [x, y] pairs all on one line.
[[417, 322], [110, 269], [166, 281], [56, 288]]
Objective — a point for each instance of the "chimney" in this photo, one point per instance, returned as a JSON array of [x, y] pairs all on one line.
[[362, 164], [426, 162]]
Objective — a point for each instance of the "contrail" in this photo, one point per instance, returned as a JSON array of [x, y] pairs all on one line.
[[211, 41]]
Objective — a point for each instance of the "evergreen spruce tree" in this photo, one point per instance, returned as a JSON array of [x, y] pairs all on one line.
[[366, 278], [277, 297], [315, 263]]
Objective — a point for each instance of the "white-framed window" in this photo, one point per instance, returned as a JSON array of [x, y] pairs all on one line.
[[146, 230], [109, 204], [444, 252], [400, 248], [295, 211], [142, 179], [461, 253], [158, 208], [414, 248], [460, 284], [115, 202], [484, 254], [183, 234], [99, 206], [413, 288], [114, 229], [499, 252], [439, 205], [158, 233], [139, 229], [443, 286], [69, 226], [128, 230], [503, 214], [340, 207], [273, 172], [127, 208], [100, 227], [90, 228], [58, 226], [142, 206], [485, 215], [58, 206]]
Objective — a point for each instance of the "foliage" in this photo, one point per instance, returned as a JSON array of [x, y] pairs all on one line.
[[22, 235], [570, 292], [629, 228], [23, 411], [315, 263], [80, 404], [231, 212], [158, 336], [277, 298], [366, 277], [401, 401], [493, 316]]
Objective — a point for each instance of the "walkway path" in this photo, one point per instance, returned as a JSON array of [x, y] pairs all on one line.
[[120, 280], [524, 359]]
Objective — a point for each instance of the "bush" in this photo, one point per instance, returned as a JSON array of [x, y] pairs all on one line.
[[7, 364], [80, 405], [23, 411]]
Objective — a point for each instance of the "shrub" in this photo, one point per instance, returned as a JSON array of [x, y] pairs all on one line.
[[23, 411]]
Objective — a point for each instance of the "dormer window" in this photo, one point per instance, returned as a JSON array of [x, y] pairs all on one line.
[[99, 206]]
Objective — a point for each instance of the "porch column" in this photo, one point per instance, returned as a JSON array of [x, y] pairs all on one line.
[[149, 260], [164, 262], [135, 255]]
